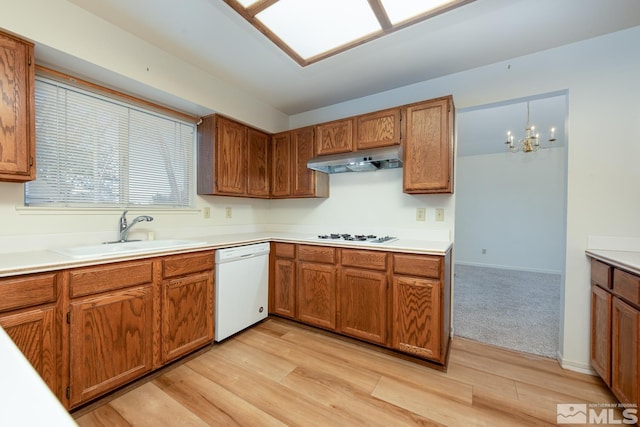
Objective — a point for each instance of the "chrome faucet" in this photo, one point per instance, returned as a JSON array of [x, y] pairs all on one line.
[[124, 227]]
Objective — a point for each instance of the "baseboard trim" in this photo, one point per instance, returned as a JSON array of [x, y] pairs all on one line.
[[506, 267], [575, 366]]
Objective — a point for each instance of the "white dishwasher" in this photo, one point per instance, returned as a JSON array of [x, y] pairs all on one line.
[[242, 288]]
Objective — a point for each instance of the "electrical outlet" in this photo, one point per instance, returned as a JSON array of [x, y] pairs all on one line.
[[439, 214], [229, 212], [206, 213], [420, 214]]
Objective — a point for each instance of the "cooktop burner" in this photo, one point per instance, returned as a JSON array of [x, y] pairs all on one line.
[[369, 238]]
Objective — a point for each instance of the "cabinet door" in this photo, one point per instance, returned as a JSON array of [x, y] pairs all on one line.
[[258, 163], [34, 333], [317, 294], [284, 288], [111, 341], [601, 332], [334, 137], [231, 157], [625, 357], [304, 179], [379, 129], [17, 123], [416, 316], [187, 314], [428, 147], [363, 304], [281, 162]]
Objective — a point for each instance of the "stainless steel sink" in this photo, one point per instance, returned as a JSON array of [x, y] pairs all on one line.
[[125, 248]]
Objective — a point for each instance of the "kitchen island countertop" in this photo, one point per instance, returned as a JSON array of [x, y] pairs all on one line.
[[26, 262]]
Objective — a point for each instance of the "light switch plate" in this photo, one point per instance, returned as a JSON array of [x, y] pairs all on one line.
[[420, 214], [439, 214], [229, 212]]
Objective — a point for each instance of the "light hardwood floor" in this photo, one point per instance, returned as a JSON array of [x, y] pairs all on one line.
[[280, 373]]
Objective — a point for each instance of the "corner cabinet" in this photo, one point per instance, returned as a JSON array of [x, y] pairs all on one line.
[[17, 110], [290, 177], [428, 147], [397, 301], [615, 329], [233, 159]]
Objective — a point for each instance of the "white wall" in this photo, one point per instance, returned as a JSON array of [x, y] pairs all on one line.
[[603, 195], [511, 205]]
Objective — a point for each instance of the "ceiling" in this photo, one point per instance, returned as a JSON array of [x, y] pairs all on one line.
[[213, 37]]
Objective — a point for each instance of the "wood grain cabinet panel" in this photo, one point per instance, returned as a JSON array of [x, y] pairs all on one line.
[[187, 314], [316, 294], [417, 315], [304, 179], [284, 288], [27, 291], [601, 274], [363, 304], [258, 163], [418, 265], [180, 265], [281, 165], [111, 339], [17, 109], [625, 354], [35, 333], [324, 254], [601, 332], [103, 278], [428, 147], [335, 137], [230, 157], [378, 129], [372, 260]]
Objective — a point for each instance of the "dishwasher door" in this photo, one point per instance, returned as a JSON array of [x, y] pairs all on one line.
[[242, 288]]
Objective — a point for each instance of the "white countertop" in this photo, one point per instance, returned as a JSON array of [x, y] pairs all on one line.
[[47, 260], [25, 400], [626, 260]]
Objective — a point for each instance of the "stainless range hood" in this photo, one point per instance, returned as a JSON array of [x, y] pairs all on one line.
[[359, 161]]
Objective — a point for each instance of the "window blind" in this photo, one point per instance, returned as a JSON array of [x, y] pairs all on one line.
[[93, 151]]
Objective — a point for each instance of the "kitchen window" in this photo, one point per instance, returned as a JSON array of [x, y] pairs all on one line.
[[94, 151]]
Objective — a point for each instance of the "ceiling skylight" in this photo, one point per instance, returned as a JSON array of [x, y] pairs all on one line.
[[311, 30]]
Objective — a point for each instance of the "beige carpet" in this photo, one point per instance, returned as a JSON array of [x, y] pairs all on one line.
[[518, 310]]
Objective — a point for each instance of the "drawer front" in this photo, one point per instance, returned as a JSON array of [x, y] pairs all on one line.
[[626, 285], [102, 278], [323, 254], [371, 260], [179, 265], [284, 250], [600, 274], [27, 291], [417, 265]]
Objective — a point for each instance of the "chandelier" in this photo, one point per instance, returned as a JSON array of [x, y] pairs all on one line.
[[531, 141]]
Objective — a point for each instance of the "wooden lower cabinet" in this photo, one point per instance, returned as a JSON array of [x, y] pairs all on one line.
[[601, 332], [363, 304], [111, 339], [625, 352], [187, 314], [284, 289], [316, 294], [416, 316], [615, 329], [35, 333]]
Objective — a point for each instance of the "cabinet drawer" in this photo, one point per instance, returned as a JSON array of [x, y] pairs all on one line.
[[317, 254], [27, 291], [366, 259], [284, 250], [600, 274], [626, 285], [102, 278], [178, 265], [417, 265]]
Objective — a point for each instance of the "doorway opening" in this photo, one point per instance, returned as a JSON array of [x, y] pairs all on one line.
[[510, 226]]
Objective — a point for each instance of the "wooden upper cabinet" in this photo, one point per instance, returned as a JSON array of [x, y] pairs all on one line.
[[281, 162], [428, 147], [258, 166], [17, 110], [233, 159], [379, 129], [335, 137], [230, 157]]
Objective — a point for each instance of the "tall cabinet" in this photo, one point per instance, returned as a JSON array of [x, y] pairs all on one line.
[[17, 110]]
